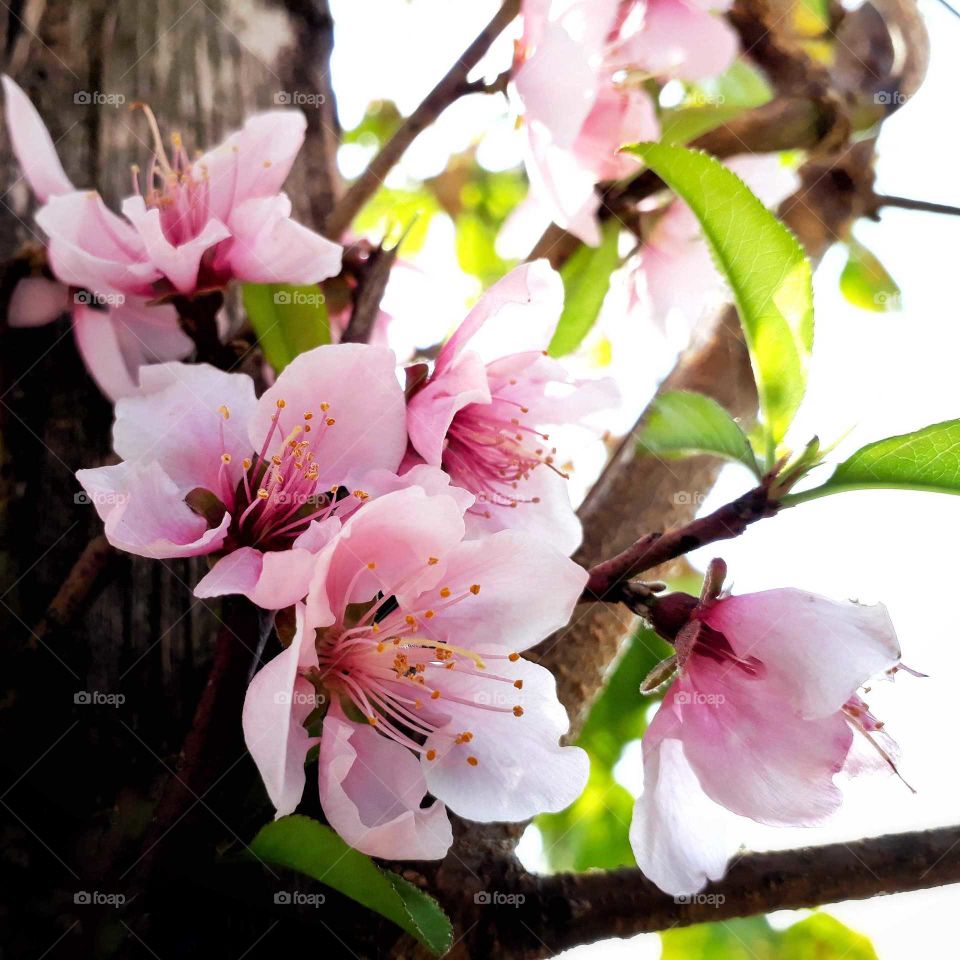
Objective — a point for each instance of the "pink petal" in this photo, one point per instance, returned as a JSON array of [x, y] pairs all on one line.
[[617, 118], [398, 533], [522, 770], [432, 480], [751, 753], [518, 313], [91, 247], [680, 39], [360, 384], [269, 247], [32, 145], [97, 343], [430, 411], [149, 333], [371, 789], [817, 651], [271, 580], [552, 521], [178, 263], [528, 589], [144, 513], [277, 703], [766, 175], [680, 837], [267, 146], [36, 301]]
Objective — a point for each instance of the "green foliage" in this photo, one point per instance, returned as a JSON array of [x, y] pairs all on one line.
[[765, 266], [819, 937], [399, 216], [927, 459], [377, 127], [313, 849], [593, 831], [681, 423], [287, 320], [866, 283], [586, 279]]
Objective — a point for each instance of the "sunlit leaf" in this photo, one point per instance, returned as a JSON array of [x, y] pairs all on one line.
[[288, 320], [765, 266], [586, 279], [313, 849], [680, 423], [394, 215], [927, 459], [866, 283]]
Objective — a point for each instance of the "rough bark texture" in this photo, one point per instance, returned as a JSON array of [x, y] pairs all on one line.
[[84, 781]]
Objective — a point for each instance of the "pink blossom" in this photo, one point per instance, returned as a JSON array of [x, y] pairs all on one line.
[[260, 485], [758, 723], [579, 75], [200, 224], [409, 640], [674, 270], [480, 415]]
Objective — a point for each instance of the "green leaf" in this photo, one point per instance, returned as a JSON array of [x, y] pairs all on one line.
[[866, 283], [586, 279], [311, 848], [288, 320], [765, 266], [819, 937], [680, 126], [681, 423], [398, 216], [927, 459]]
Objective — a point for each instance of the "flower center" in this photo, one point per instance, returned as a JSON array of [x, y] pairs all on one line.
[[383, 662], [278, 496], [490, 450]]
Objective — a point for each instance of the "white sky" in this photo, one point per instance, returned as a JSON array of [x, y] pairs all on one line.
[[879, 374]]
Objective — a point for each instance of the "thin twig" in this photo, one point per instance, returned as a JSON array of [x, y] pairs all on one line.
[[450, 88], [905, 203]]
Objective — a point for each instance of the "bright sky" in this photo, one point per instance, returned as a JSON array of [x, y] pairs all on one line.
[[879, 374]]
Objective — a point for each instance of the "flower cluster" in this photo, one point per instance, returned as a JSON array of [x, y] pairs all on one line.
[[422, 538]]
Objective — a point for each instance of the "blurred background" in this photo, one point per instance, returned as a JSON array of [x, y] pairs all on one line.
[[875, 372]]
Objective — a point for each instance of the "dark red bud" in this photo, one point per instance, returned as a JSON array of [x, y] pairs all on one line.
[[671, 613]]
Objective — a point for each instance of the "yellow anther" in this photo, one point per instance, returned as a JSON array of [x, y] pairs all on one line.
[[262, 494], [429, 614], [308, 416], [514, 657], [371, 565], [444, 592], [435, 695], [267, 164], [380, 648], [372, 721], [411, 621], [417, 704], [518, 684], [225, 458], [375, 628], [433, 561], [431, 754], [450, 665], [224, 411], [361, 495], [473, 761], [324, 406], [275, 460], [330, 421], [475, 588], [281, 404], [518, 711]]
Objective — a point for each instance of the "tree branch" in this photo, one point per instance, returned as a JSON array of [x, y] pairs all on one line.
[[569, 909], [449, 89], [655, 549]]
